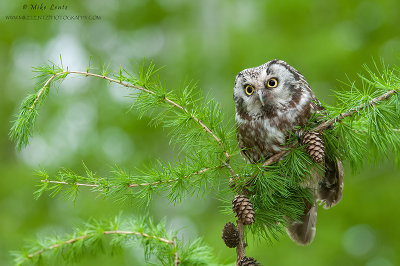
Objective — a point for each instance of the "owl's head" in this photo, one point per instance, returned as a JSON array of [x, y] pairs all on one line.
[[262, 89]]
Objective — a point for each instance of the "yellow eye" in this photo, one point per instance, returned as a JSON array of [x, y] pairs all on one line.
[[249, 90], [272, 83]]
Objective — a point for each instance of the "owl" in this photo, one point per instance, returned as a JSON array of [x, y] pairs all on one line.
[[271, 101]]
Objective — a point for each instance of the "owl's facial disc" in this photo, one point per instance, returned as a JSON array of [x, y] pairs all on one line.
[[267, 88]]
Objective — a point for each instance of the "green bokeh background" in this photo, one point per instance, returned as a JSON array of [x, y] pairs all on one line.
[[209, 42]]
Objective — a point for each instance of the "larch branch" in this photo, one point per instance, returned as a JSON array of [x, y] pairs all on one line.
[[131, 185], [113, 232], [241, 250], [321, 127], [354, 110], [176, 257], [241, 247], [128, 85]]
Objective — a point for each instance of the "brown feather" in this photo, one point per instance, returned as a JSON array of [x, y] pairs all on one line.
[[331, 186], [303, 231]]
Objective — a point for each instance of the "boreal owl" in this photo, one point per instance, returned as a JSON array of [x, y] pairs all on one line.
[[271, 101]]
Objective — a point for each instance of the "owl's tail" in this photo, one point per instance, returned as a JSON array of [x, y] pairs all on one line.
[[330, 191], [303, 231]]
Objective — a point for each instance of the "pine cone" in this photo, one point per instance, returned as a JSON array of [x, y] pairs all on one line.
[[314, 146], [243, 209], [230, 235], [248, 261]]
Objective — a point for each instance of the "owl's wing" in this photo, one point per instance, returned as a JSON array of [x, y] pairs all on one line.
[[331, 186]]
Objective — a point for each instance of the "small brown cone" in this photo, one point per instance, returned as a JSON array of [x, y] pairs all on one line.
[[314, 146], [230, 235], [248, 261], [243, 208]]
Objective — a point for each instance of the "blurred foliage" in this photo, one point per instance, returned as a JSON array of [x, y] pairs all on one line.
[[208, 42], [160, 247]]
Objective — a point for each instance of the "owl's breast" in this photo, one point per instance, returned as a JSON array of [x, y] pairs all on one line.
[[259, 139], [262, 136]]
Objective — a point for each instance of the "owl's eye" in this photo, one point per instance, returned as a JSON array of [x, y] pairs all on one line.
[[249, 90], [272, 83]]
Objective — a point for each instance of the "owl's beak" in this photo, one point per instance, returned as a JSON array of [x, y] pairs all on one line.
[[261, 97]]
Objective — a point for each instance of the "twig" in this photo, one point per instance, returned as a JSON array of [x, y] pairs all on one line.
[[277, 156], [42, 89], [241, 247], [119, 232], [66, 183], [132, 184], [166, 241], [174, 180], [176, 257], [321, 127], [354, 110]]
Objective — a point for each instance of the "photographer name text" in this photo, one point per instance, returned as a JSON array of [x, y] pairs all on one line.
[[43, 7]]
